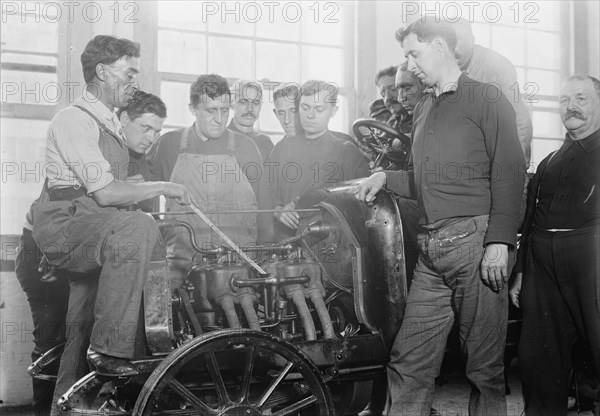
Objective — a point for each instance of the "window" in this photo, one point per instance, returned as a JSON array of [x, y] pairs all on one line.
[[30, 96], [532, 36], [272, 42]]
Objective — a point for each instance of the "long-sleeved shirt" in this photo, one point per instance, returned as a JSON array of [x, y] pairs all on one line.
[[262, 141], [488, 66], [466, 159], [298, 164]]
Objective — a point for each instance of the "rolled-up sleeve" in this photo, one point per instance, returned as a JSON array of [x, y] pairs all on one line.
[[74, 155]]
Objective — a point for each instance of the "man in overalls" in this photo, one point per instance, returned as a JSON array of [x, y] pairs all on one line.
[[221, 168], [81, 229]]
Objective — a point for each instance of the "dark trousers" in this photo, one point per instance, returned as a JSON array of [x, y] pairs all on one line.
[[80, 321], [447, 286], [560, 302], [48, 303]]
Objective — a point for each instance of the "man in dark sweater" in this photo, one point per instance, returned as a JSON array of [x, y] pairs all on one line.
[[558, 260], [467, 176], [246, 102], [312, 160]]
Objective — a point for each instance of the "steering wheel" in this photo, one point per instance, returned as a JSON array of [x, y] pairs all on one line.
[[388, 147]]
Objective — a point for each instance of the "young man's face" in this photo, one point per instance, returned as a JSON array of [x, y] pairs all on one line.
[[121, 80], [247, 106], [423, 60], [212, 115], [389, 93], [287, 114], [141, 132], [315, 112]]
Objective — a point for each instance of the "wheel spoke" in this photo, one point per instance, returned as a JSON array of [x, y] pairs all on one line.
[[274, 384], [296, 406], [247, 376], [213, 368], [180, 389]]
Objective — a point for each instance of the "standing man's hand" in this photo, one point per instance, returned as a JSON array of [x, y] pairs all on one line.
[[494, 266], [287, 214], [178, 192], [367, 190], [515, 289]]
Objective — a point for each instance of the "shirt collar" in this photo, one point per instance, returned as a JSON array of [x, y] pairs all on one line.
[[104, 114], [589, 143]]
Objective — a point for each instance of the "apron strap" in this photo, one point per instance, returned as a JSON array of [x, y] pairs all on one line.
[[101, 125], [184, 139]]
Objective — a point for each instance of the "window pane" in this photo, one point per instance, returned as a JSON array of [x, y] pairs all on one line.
[[546, 13], [230, 57], [546, 124], [322, 63], [23, 152], [277, 61], [481, 31], [510, 43], [181, 15], [546, 82], [540, 148], [181, 52], [30, 36], [322, 23], [543, 50], [29, 59], [280, 28], [31, 88], [231, 23], [176, 96]]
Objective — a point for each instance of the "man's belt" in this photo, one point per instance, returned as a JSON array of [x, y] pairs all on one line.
[[67, 194]]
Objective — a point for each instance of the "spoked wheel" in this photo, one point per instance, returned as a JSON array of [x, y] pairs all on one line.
[[235, 373], [388, 147]]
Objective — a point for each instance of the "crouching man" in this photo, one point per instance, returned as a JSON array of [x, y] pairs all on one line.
[[82, 228]]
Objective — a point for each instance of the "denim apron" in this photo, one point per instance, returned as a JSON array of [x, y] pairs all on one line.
[[54, 220], [217, 183]]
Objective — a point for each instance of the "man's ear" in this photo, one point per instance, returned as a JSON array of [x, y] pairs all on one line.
[[124, 119], [439, 43], [191, 107], [334, 110], [275, 112], [101, 72]]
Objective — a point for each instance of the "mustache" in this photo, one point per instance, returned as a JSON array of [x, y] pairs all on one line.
[[248, 115], [575, 114]]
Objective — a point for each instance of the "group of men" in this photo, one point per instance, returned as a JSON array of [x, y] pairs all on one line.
[[470, 149]]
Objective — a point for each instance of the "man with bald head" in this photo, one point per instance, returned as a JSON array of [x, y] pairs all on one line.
[[487, 66], [558, 259]]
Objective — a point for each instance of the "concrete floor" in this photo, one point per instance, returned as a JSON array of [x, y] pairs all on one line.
[[450, 399]]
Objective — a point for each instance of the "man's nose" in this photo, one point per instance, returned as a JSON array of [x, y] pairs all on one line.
[[411, 66], [218, 117]]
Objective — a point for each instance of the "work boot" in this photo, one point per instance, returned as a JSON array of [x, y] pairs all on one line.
[[106, 365]]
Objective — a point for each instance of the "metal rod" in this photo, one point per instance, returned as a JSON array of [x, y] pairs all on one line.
[[254, 211], [230, 243]]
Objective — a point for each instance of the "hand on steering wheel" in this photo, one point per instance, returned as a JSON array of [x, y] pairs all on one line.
[[388, 148]]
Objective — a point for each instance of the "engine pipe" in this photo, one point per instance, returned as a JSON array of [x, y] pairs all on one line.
[[270, 280], [247, 303], [230, 313], [319, 304], [307, 321]]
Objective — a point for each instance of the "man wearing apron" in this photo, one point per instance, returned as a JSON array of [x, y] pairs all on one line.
[[222, 170], [81, 229]]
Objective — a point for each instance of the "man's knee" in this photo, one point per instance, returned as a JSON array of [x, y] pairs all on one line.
[[141, 224]]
